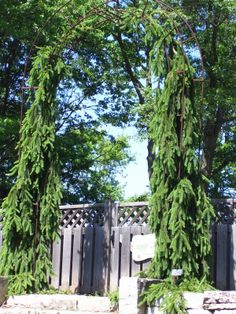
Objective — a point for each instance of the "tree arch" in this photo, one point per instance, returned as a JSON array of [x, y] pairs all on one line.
[[179, 204]]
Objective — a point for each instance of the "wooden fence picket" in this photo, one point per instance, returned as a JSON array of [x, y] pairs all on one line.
[[232, 262], [125, 252], [222, 257], [66, 259], [76, 258], [115, 258], [99, 261], [56, 263], [86, 285]]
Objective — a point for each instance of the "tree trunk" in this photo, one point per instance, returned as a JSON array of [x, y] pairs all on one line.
[[211, 135]]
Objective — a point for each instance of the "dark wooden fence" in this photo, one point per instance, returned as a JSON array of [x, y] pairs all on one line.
[[94, 247], [224, 256]]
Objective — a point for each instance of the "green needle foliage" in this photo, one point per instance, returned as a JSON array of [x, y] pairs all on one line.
[[31, 210], [170, 295], [181, 212]]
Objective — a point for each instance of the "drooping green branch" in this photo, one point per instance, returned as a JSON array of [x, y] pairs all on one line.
[[181, 213], [31, 210]]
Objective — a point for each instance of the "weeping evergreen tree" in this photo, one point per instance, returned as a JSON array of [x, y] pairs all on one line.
[[181, 212], [31, 210]]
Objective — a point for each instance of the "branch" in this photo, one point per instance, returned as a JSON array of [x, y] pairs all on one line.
[[224, 164], [230, 119], [136, 83], [70, 114]]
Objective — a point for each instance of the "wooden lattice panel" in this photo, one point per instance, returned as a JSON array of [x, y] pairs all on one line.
[[82, 215], [128, 214], [133, 214], [221, 203], [226, 210]]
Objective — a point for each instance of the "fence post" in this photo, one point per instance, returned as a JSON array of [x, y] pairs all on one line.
[[108, 220]]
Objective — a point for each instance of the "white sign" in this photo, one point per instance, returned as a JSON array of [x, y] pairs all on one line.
[[177, 272], [143, 247]]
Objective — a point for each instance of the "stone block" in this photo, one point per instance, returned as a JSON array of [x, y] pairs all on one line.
[[93, 304], [193, 300], [44, 311], [60, 302], [225, 312], [198, 311], [129, 292], [219, 300], [40, 301], [215, 297], [223, 306]]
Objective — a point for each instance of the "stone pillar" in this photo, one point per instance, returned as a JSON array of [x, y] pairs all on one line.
[[129, 296]]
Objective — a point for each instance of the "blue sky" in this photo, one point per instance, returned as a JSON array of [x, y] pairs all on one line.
[[135, 180], [135, 176]]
